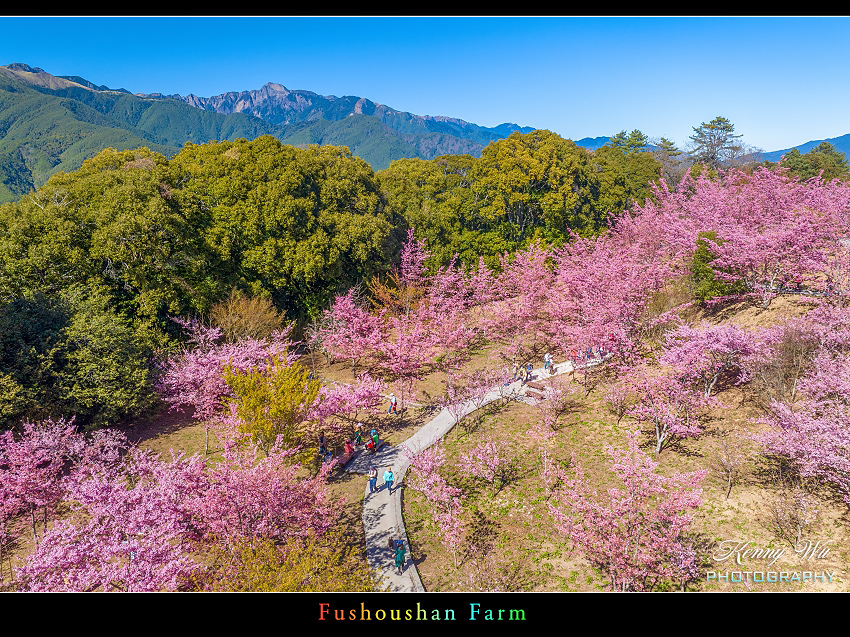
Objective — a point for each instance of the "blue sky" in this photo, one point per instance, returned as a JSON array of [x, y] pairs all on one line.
[[781, 81]]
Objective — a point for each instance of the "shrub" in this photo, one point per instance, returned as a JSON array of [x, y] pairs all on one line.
[[705, 283], [241, 316]]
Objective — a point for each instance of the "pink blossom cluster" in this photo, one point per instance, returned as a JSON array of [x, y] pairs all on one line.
[[490, 461], [195, 378], [139, 523], [636, 534], [446, 501]]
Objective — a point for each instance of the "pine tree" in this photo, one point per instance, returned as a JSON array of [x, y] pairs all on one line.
[[714, 143]]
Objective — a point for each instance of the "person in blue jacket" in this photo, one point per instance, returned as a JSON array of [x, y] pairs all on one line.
[[389, 478]]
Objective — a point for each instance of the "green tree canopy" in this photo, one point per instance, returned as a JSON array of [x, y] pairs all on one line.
[[824, 157], [524, 187], [632, 142], [176, 236], [715, 143], [73, 356], [299, 224], [274, 402]]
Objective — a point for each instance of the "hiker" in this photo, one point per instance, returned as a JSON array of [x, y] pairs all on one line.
[[323, 448], [400, 550], [358, 435], [373, 478], [393, 401], [547, 362], [389, 478]]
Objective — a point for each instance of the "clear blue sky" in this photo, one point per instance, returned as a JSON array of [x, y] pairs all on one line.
[[781, 81]]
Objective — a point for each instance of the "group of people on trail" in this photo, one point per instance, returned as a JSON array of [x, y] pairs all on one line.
[[389, 479], [522, 372], [396, 545], [370, 442]]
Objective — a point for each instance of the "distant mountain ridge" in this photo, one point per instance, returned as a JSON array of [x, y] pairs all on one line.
[[276, 104], [50, 123]]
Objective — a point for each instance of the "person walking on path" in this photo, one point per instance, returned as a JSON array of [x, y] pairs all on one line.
[[393, 401], [373, 479], [389, 478], [547, 362], [400, 550]]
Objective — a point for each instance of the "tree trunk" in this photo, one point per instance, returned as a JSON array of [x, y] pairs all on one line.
[[34, 532]]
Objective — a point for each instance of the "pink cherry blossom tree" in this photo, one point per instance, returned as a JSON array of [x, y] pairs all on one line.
[[195, 378], [446, 501], [671, 409], [340, 405], [770, 227], [468, 391], [635, 534], [131, 533], [352, 331], [492, 462], [141, 524], [249, 498], [31, 466], [700, 356]]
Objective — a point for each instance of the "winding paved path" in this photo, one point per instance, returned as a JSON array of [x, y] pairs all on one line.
[[382, 511]]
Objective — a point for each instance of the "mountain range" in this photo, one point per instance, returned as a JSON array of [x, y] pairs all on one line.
[[53, 123]]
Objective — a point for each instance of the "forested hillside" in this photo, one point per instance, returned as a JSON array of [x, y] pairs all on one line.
[[150, 238], [50, 124]]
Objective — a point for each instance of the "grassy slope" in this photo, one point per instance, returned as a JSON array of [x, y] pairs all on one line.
[[512, 544], [514, 529]]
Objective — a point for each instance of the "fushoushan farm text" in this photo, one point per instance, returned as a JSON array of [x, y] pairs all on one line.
[[396, 614]]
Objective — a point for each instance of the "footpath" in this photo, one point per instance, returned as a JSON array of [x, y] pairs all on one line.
[[382, 511]]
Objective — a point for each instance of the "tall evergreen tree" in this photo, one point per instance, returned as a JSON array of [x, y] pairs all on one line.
[[715, 143]]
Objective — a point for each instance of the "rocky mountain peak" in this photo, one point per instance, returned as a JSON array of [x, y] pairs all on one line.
[[20, 66]]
